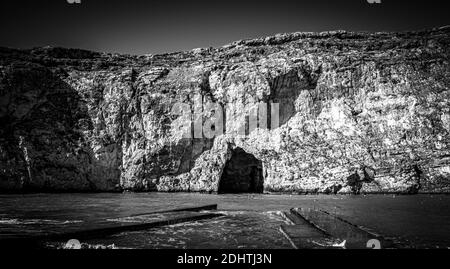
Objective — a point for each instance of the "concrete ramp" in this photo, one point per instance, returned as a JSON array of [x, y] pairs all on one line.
[[340, 230], [105, 227], [302, 235], [133, 223]]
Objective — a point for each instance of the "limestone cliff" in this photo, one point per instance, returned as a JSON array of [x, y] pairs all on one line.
[[359, 113]]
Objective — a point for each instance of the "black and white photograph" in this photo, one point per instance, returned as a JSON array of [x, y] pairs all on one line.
[[245, 127]]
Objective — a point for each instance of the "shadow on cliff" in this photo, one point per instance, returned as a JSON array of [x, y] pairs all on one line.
[[286, 88], [43, 145]]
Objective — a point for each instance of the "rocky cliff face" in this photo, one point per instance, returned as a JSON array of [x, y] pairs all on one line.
[[358, 113]]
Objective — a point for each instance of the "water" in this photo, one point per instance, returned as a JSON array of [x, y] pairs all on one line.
[[249, 221], [236, 230]]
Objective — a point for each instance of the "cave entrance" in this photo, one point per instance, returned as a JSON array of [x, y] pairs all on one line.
[[243, 173]]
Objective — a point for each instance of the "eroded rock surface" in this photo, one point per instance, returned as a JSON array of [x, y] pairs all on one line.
[[359, 113]]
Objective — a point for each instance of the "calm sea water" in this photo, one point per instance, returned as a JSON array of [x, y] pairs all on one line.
[[248, 221]]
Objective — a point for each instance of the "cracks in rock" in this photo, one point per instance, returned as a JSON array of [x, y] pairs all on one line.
[[205, 87], [26, 158], [333, 189], [417, 176], [286, 88], [362, 175], [311, 76]]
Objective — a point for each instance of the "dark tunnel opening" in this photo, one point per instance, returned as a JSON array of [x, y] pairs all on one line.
[[243, 173]]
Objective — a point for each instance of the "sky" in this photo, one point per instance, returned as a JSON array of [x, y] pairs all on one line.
[[157, 26]]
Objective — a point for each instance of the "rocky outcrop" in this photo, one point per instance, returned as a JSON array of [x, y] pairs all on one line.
[[358, 113]]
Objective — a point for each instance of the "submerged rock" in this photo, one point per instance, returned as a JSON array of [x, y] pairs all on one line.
[[358, 113]]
